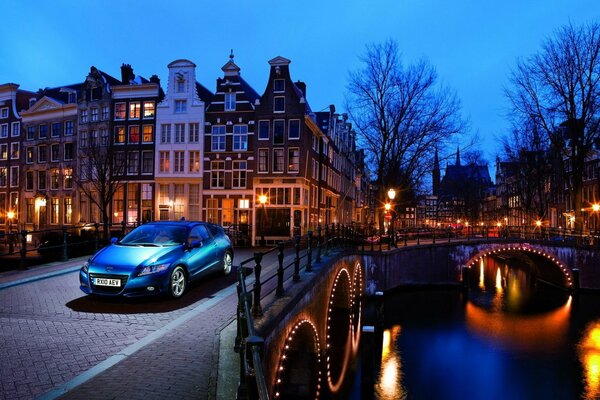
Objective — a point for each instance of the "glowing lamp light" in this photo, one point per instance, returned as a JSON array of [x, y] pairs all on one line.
[[538, 223], [387, 206], [262, 199], [391, 193], [596, 207], [10, 215]]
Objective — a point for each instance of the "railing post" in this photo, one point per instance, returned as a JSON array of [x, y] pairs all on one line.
[[123, 224], [256, 308], [297, 259], [279, 292], [318, 243], [96, 236], [65, 253], [309, 253], [22, 263]]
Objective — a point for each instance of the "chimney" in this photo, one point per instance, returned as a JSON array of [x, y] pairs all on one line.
[[155, 79], [302, 87], [126, 74]]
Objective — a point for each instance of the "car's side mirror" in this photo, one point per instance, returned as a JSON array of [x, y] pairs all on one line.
[[195, 243], [114, 240]]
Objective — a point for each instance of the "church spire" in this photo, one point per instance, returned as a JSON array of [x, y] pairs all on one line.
[[435, 174], [457, 156]]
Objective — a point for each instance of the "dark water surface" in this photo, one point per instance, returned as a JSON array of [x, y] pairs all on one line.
[[511, 337]]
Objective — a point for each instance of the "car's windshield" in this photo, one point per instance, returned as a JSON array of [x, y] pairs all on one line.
[[151, 234]]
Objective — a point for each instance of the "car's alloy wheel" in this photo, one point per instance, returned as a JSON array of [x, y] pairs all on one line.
[[178, 282], [227, 263]]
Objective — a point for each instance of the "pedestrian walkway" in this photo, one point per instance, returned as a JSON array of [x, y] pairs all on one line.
[[180, 360]]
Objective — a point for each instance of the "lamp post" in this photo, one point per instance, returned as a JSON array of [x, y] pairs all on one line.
[[392, 195], [10, 215], [262, 199], [595, 209]]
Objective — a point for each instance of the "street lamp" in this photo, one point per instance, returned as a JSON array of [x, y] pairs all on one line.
[[538, 223], [262, 199], [391, 195], [10, 215]]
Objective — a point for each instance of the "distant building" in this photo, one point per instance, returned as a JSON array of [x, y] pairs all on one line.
[[461, 191], [179, 155]]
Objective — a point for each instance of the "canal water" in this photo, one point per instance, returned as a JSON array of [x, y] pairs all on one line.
[[511, 337]]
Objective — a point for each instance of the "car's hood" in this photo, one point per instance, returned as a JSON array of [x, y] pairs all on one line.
[[118, 255]]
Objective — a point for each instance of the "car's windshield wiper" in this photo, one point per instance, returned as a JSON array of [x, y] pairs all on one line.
[[148, 245]]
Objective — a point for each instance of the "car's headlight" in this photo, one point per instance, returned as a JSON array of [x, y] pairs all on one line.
[[152, 269], [85, 267]]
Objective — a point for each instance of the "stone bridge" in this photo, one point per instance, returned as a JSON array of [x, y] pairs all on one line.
[[312, 333]]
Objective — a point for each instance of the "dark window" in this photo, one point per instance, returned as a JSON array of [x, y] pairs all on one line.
[[278, 131]]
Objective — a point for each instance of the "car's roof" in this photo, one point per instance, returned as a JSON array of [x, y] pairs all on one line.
[[180, 223]]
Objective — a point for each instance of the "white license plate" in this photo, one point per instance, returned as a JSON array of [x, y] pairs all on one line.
[[107, 282]]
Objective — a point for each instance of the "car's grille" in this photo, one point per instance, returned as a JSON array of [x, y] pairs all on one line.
[[108, 289]]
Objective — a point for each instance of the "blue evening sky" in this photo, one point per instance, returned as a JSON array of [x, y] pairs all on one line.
[[472, 43]]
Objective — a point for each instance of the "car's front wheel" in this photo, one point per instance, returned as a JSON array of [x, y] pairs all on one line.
[[227, 263], [177, 282]]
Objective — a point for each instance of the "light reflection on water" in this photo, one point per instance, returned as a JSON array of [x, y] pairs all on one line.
[[512, 338]]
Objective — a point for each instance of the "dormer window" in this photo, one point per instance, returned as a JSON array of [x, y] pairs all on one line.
[[229, 101], [32, 101], [279, 85], [72, 97], [179, 83]]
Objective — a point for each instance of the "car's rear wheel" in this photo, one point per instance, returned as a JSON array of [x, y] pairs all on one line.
[[227, 263], [177, 283]]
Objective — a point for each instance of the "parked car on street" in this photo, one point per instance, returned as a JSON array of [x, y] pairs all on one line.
[[158, 258]]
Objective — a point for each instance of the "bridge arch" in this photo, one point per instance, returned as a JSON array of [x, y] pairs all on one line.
[[299, 368], [356, 305], [545, 264], [339, 329]]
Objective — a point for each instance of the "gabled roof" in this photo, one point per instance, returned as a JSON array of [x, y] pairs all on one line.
[[203, 93], [250, 92]]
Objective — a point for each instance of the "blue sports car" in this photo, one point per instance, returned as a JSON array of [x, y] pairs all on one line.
[[157, 258]]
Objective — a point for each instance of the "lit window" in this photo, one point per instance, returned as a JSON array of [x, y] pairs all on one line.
[[148, 133], [293, 160], [120, 110], [194, 161], [120, 134], [134, 134], [134, 110], [164, 161], [148, 109]]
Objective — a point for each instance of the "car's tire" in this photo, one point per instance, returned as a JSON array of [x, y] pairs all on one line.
[[177, 282], [227, 263]]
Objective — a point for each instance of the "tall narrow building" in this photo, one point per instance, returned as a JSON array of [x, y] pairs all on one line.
[[180, 144]]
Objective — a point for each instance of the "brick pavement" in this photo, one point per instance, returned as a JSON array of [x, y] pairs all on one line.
[[51, 346]]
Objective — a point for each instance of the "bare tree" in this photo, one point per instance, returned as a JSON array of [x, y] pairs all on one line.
[[401, 113], [526, 151], [558, 91], [99, 178]]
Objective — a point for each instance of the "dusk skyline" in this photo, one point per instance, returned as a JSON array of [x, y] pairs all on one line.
[[473, 47]]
